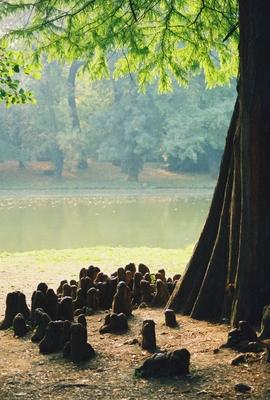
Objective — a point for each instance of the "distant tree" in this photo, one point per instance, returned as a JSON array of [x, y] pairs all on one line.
[[131, 128], [13, 71], [75, 119], [7, 150], [195, 122], [15, 138], [49, 129]]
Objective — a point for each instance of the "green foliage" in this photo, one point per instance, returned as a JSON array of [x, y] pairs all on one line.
[[155, 40], [11, 91], [35, 131], [195, 124], [185, 129], [160, 43], [130, 128]]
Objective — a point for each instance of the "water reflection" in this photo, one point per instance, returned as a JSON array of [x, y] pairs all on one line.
[[83, 222]]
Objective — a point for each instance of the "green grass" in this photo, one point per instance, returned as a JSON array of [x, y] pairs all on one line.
[[108, 258]]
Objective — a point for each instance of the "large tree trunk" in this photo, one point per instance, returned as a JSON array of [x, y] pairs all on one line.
[[229, 272]]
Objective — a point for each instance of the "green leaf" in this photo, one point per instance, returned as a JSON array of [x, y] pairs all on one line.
[[16, 68]]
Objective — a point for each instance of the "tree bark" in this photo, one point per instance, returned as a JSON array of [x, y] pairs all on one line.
[[74, 68], [229, 272], [18, 141], [58, 162], [57, 154], [76, 125]]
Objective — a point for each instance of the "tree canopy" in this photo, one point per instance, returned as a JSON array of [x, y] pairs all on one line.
[[154, 39]]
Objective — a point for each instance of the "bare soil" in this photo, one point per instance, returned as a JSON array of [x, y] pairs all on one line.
[[26, 374]]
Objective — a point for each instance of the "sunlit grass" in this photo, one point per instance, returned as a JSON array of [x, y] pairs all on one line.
[[108, 258]]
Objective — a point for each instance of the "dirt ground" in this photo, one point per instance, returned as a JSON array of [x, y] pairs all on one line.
[[26, 374]]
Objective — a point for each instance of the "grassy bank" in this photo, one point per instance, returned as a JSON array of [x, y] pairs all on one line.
[[23, 271], [108, 258], [98, 176]]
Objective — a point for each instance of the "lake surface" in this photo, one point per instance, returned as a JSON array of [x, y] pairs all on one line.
[[61, 223]]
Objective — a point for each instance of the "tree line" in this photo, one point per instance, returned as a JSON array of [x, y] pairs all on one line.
[[110, 120]]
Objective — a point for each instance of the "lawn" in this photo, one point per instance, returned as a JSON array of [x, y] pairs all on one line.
[[109, 258]]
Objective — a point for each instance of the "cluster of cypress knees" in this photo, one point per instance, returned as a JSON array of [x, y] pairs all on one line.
[[245, 339], [52, 315]]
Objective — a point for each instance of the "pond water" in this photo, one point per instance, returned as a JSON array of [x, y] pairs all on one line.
[[61, 223]]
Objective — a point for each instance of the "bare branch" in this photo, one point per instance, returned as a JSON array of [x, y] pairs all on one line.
[[231, 32], [133, 10], [199, 14]]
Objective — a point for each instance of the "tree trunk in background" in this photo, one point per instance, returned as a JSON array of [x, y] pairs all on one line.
[[74, 68], [229, 272], [58, 162], [18, 139], [57, 154]]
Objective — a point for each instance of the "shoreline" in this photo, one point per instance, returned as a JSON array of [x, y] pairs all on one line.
[[107, 193]]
